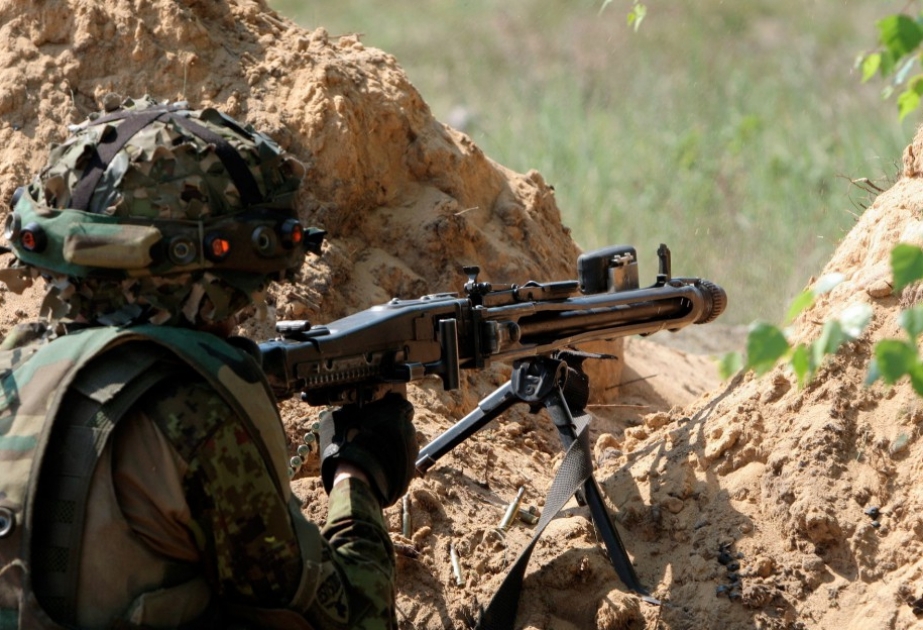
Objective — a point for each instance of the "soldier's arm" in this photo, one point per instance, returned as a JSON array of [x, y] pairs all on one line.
[[245, 532], [357, 584], [231, 509]]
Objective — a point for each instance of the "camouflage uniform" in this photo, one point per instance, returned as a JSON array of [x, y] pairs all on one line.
[[215, 536], [143, 478]]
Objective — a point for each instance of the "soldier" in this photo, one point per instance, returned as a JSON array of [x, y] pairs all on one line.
[[143, 465]]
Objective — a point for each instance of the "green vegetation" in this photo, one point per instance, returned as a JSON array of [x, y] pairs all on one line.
[[728, 130], [898, 57], [768, 345]]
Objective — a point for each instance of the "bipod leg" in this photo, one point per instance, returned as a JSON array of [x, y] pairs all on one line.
[[567, 430], [489, 408], [532, 380]]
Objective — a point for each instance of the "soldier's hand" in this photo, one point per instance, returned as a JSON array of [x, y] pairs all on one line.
[[378, 438]]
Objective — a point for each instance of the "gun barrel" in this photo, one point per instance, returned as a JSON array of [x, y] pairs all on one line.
[[360, 357], [606, 316], [574, 322]]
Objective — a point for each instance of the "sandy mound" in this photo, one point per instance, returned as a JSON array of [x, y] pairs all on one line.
[[747, 507], [768, 506]]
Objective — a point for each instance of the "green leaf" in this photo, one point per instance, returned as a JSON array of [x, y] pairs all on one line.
[[806, 298], [636, 15], [874, 372], [831, 338], [911, 320], [916, 378], [765, 345], [899, 34], [870, 65], [801, 364], [910, 98], [906, 265], [730, 364], [907, 101], [894, 359], [855, 319], [848, 327], [803, 301]]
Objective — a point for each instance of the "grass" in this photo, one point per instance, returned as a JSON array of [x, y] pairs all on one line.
[[728, 130]]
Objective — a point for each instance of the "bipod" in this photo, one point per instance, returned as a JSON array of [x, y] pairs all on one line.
[[541, 382]]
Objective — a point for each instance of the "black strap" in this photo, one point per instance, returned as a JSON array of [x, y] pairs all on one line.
[[108, 147], [590, 495], [576, 467], [122, 114], [234, 164], [135, 121]]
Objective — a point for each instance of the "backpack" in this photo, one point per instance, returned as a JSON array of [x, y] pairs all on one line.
[[35, 377]]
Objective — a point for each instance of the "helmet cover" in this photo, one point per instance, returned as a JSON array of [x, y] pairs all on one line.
[[157, 213]]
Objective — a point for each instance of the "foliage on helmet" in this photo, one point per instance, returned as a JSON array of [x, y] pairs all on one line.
[[168, 172], [155, 212]]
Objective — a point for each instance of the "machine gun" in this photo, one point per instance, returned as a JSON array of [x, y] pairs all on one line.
[[363, 356]]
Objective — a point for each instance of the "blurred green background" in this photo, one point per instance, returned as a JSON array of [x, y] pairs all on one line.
[[729, 130]]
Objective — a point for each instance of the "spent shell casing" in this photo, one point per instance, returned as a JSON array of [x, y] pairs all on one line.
[[456, 566], [405, 516], [512, 510], [528, 515]]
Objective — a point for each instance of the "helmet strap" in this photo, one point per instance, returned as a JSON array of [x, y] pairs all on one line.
[[135, 121], [108, 147], [234, 164]]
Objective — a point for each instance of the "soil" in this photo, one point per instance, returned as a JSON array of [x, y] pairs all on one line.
[[751, 503]]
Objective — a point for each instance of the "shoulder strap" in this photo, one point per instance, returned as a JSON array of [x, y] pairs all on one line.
[[33, 379], [101, 395]]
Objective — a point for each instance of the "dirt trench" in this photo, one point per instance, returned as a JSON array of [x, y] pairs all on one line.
[[746, 504]]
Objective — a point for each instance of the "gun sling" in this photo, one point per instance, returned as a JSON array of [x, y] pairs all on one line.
[[575, 472]]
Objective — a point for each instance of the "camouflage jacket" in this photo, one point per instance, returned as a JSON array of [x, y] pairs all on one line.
[[166, 445]]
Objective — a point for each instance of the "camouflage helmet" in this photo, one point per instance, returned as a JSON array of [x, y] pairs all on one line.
[[158, 213]]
